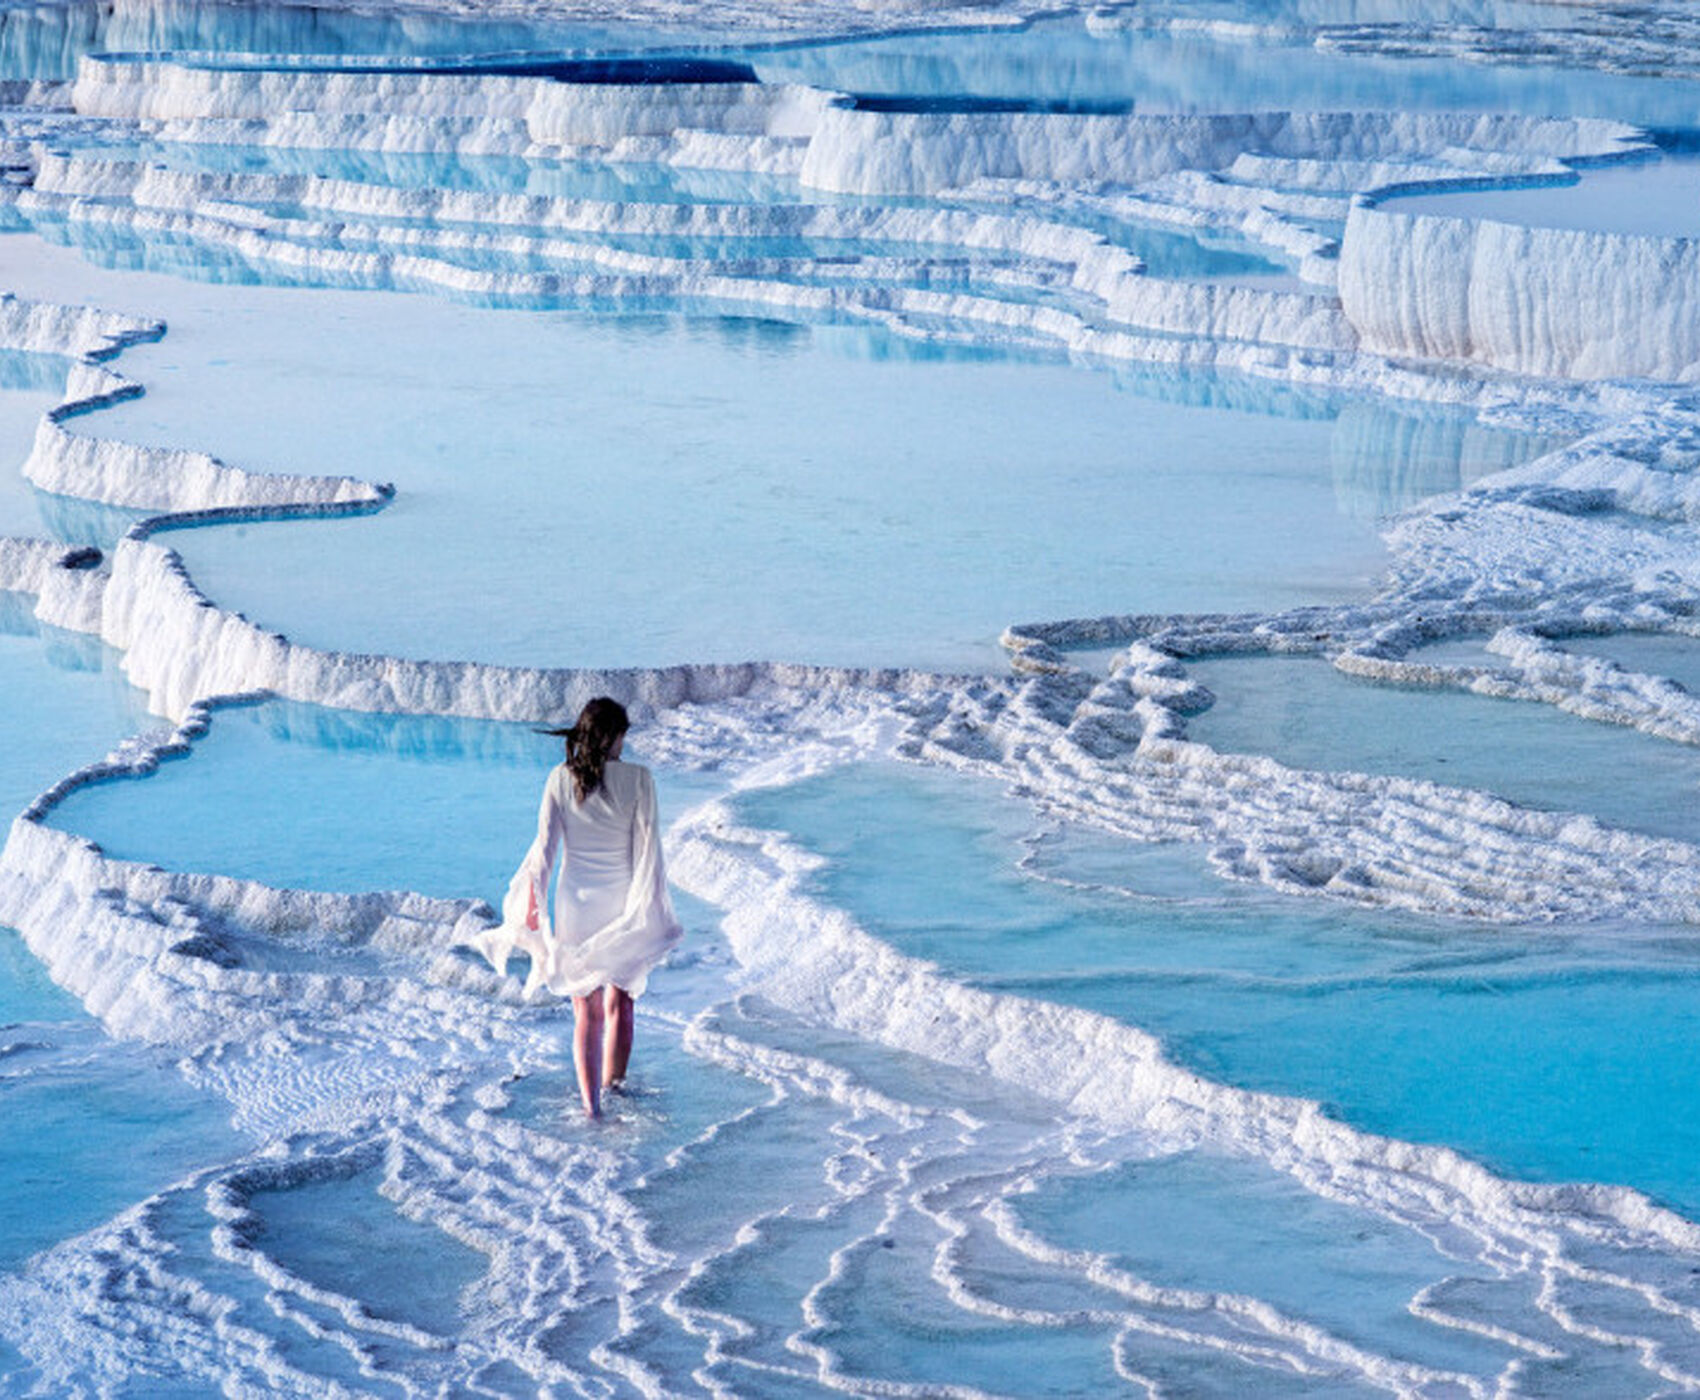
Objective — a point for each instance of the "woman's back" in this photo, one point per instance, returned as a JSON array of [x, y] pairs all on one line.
[[597, 869], [613, 920]]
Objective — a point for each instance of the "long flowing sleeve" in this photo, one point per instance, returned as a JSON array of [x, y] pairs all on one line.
[[525, 925]]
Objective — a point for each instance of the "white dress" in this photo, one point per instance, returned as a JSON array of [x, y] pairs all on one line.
[[613, 919]]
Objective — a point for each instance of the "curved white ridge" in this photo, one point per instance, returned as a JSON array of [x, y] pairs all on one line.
[[174, 479], [1557, 302], [1110, 754], [123, 474], [55, 328], [180, 649], [1538, 669], [1451, 166]]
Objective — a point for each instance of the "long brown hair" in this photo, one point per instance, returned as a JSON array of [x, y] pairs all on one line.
[[600, 724]]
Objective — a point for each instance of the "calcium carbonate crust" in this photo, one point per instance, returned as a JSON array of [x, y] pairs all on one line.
[[403, 1021]]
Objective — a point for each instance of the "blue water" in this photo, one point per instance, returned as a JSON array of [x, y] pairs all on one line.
[[1675, 658], [1657, 198], [114, 1120], [1562, 1057], [908, 507], [1070, 64], [65, 691], [107, 1124], [791, 489], [919, 505], [1309, 715], [306, 797], [1187, 1221], [29, 386], [27, 993]]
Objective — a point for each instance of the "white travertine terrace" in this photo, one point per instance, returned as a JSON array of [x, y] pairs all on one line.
[[1587, 539]]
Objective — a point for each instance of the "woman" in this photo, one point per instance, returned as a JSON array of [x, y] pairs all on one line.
[[612, 918]]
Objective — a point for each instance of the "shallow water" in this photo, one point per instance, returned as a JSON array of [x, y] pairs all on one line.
[[910, 506], [117, 1122], [107, 1123], [1561, 1056], [1659, 198], [1308, 714], [1184, 1222], [29, 386], [398, 802], [65, 691], [871, 1180], [1675, 658]]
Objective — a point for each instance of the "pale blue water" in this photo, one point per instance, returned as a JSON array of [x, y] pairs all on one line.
[[27, 993], [1563, 1057], [114, 1121], [1067, 63], [306, 797], [1675, 658], [921, 503], [880, 502], [64, 690], [1185, 1222], [29, 386], [1309, 715], [1658, 197], [908, 507], [96, 1125], [339, 1233]]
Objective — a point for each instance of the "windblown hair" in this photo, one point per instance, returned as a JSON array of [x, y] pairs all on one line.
[[600, 724]]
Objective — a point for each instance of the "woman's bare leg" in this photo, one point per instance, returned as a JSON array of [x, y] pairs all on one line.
[[587, 1046], [617, 1039]]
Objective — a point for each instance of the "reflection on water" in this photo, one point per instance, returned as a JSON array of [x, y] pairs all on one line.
[[421, 738], [32, 371], [1387, 458], [80, 522], [1160, 58], [430, 803], [1657, 198], [1146, 65], [65, 702]]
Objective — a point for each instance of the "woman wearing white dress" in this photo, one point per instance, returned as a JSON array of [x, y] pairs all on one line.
[[612, 919]]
